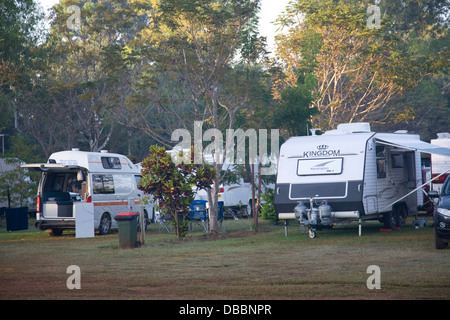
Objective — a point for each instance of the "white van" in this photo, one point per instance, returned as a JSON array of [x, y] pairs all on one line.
[[107, 180]]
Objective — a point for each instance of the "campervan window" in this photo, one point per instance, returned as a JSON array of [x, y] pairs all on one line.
[[103, 183], [62, 182], [113, 183], [138, 179], [111, 163], [123, 183]]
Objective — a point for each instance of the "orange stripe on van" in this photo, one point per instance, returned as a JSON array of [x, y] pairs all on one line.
[[116, 203], [121, 203]]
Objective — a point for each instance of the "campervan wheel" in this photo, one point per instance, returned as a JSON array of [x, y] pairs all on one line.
[[105, 224]]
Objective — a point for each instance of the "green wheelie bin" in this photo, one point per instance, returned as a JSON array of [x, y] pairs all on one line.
[[127, 222]]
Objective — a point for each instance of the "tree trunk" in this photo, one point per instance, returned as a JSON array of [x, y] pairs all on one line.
[[255, 214], [213, 207]]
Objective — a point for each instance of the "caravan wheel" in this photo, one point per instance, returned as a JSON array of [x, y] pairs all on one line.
[[400, 216], [389, 220], [311, 234]]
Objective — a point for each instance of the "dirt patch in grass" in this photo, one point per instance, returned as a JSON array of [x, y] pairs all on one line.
[[228, 235]]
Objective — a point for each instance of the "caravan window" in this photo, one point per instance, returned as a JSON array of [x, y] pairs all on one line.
[[397, 161], [307, 167], [381, 162]]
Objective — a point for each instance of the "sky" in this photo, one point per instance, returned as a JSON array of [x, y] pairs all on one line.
[[270, 10]]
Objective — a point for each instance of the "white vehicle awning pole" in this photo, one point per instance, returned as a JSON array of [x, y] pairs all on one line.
[[415, 190]]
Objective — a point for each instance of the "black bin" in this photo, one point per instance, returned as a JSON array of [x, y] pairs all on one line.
[[17, 219]]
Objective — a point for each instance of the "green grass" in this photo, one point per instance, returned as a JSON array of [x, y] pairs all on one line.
[[237, 265]]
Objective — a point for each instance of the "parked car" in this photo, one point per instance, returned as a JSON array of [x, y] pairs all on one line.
[[442, 216]]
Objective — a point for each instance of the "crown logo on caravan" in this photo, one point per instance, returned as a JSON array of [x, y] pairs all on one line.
[[322, 147]]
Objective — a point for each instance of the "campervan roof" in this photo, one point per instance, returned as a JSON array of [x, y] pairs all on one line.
[[94, 161]]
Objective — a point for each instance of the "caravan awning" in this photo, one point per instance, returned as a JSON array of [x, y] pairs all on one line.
[[415, 145]]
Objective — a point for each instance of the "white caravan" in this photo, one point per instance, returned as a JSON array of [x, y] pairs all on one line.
[[349, 174], [233, 196], [440, 163], [107, 180]]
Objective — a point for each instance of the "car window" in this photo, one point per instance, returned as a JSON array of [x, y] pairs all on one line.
[[446, 190]]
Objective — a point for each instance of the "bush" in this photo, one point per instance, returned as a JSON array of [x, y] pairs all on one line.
[[267, 206]]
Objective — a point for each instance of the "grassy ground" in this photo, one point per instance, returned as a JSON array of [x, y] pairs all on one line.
[[237, 265]]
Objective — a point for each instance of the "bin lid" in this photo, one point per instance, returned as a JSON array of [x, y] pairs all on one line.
[[124, 216]]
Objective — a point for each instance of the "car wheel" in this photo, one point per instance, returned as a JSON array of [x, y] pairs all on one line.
[[56, 232], [438, 242]]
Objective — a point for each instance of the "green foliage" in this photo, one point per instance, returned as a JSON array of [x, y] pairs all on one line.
[[171, 184], [17, 183], [360, 70], [267, 205], [296, 108]]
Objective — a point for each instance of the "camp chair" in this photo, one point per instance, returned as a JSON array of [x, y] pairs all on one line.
[[198, 216], [165, 223]]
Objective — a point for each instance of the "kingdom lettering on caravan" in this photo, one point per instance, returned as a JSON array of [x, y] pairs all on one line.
[[235, 147]]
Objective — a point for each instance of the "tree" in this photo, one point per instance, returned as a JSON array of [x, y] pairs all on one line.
[[199, 43], [20, 34], [18, 185], [171, 184], [295, 108], [92, 67], [359, 70]]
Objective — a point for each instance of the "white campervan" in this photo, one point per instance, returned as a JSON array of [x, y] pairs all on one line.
[[107, 180], [351, 173]]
